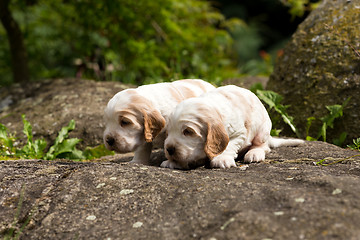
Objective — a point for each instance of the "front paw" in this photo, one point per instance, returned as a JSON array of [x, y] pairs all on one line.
[[222, 162], [136, 161], [254, 155], [140, 160], [169, 164]]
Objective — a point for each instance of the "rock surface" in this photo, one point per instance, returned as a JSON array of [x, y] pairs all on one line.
[[49, 105], [321, 66], [286, 197]]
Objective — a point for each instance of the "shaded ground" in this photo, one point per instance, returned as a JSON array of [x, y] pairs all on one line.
[[287, 197]]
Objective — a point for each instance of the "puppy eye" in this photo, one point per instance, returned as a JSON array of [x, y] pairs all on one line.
[[189, 132], [125, 122]]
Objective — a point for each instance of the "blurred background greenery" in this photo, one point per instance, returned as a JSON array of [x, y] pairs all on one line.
[[144, 41]]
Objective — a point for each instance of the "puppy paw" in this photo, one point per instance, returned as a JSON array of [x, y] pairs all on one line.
[[254, 155], [170, 164], [227, 162], [139, 162]]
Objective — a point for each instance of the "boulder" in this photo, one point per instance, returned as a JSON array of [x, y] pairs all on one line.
[[285, 197], [288, 196], [50, 105], [321, 67]]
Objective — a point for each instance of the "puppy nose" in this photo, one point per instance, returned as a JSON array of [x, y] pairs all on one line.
[[110, 140], [170, 150]]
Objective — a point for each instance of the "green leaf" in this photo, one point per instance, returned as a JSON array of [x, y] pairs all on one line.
[[275, 132], [39, 147], [308, 124], [31, 149], [339, 141], [97, 152], [335, 111], [273, 100], [356, 145], [63, 147], [58, 146], [27, 151], [323, 131], [269, 97], [63, 134], [6, 142], [3, 132], [27, 130], [308, 138], [255, 87], [68, 145], [75, 154]]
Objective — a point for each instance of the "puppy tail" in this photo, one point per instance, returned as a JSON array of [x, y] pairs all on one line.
[[278, 142]]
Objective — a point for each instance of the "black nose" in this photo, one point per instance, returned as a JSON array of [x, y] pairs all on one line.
[[110, 141], [170, 150]]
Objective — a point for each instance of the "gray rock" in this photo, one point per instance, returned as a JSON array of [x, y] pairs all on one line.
[[321, 66], [286, 197], [50, 105]]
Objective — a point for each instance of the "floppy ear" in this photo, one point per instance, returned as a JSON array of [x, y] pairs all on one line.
[[216, 141], [154, 122]]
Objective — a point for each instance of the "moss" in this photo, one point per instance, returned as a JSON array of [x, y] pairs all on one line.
[[320, 67]]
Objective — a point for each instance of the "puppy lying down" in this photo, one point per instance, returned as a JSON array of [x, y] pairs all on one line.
[[216, 127], [135, 118]]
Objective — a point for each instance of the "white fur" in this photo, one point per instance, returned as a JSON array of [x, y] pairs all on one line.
[[245, 126], [156, 101]]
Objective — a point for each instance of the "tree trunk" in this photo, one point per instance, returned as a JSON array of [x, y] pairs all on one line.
[[17, 47]]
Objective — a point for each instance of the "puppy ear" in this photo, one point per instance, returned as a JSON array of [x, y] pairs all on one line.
[[154, 122], [216, 141]]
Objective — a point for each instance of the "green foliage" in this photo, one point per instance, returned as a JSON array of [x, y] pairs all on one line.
[[335, 111], [355, 145], [62, 148], [299, 7], [32, 149], [6, 142], [273, 100], [135, 41], [97, 152]]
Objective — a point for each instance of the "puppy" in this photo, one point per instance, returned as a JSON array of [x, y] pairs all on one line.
[[135, 118], [217, 126]]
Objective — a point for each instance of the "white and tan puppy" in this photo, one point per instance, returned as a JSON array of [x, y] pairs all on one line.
[[135, 118], [216, 127]]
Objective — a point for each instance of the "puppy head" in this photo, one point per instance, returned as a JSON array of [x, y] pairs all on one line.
[[131, 120], [195, 133]]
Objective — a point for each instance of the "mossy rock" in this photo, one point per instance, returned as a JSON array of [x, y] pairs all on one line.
[[321, 67]]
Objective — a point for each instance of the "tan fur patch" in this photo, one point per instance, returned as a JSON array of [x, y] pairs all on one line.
[[186, 92], [125, 112], [216, 141], [154, 122], [196, 83], [138, 102], [176, 94], [147, 115], [217, 138], [237, 100]]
